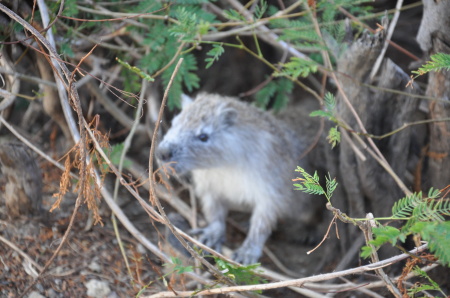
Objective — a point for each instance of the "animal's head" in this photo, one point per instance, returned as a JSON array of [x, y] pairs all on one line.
[[201, 136]]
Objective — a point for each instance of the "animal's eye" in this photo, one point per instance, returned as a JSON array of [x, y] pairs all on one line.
[[203, 137]]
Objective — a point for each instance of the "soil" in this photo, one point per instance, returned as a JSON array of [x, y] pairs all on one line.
[[94, 255]]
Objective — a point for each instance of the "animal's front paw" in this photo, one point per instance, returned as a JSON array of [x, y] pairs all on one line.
[[212, 235], [247, 254]]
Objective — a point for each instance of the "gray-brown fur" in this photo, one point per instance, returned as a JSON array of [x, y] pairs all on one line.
[[240, 158]]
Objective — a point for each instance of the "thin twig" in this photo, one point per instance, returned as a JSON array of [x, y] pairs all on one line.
[[333, 221], [33, 147], [22, 253], [8, 99], [297, 282], [27, 77], [389, 34], [126, 146]]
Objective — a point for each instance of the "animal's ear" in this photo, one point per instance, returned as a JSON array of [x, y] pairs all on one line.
[[229, 116], [185, 101]]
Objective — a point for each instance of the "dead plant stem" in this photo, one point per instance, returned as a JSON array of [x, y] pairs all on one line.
[[126, 146], [390, 32], [297, 282]]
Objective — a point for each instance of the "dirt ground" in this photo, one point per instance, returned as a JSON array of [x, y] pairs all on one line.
[[90, 264]]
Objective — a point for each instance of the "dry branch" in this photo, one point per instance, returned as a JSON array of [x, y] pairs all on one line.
[[298, 282]]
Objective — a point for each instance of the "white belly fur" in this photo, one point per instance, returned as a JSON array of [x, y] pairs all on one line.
[[239, 189]]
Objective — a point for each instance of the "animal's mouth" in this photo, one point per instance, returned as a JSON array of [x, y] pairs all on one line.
[[172, 168]]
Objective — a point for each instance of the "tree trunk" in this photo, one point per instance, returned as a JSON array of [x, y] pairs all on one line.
[[434, 37], [366, 185], [23, 190]]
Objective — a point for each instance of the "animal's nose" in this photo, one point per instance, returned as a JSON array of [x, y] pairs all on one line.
[[164, 153]]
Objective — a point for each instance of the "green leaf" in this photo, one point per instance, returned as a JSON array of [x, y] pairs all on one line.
[[297, 67], [186, 29], [434, 193], [310, 183], [366, 251], [331, 185], [334, 136], [233, 15], [260, 9], [439, 61], [328, 112], [284, 89], [177, 266], [320, 113], [66, 49], [419, 287], [241, 274], [438, 236], [278, 89], [186, 76], [330, 102], [404, 207], [70, 8], [115, 154], [384, 234], [264, 95], [136, 70], [215, 53]]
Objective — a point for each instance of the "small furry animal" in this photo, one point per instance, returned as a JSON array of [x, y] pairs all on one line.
[[241, 158]]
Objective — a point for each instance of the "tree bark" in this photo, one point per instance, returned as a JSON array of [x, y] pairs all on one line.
[[23, 190], [434, 37], [366, 185]]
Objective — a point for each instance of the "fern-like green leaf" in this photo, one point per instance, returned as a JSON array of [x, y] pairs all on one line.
[[313, 188], [439, 61], [425, 211], [214, 54], [177, 266], [438, 236], [186, 29], [331, 185], [260, 10], [297, 67], [330, 102], [419, 287], [136, 70], [334, 136], [320, 113], [442, 206], [241, 274], [278, 89], [384, 234], [434, 193], [284, 89], [233, 15], [366, 251], [328, 110], [310, 184], [405, 206], [186, 76]]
